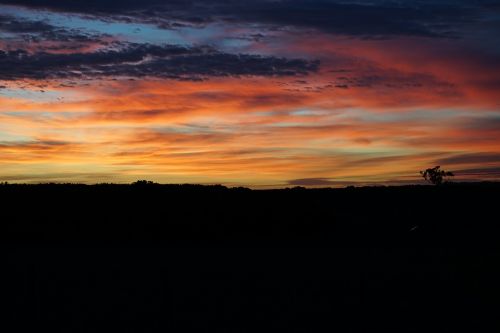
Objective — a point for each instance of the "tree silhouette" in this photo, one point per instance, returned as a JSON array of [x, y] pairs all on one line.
[[436, 175], [144, 183]]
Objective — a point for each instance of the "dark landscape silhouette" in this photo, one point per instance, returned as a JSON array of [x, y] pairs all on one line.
[[453, 213], [147, 257]]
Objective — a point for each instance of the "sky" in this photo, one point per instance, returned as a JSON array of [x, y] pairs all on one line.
[[262, 93]]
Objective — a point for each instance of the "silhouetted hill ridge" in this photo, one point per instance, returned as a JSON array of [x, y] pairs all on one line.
[[456, 212], [197, 259]]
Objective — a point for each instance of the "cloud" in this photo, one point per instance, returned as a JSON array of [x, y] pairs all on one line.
[[486, 124], [475, 158], [315, 182], [361, 18], [38, 146], [42, 144], [60, 178], [36, 31], [324, 182], [12, 24], [145, 60], [38, 151], [480, 173]]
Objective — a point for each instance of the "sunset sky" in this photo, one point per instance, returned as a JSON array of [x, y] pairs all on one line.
[[261, 93]]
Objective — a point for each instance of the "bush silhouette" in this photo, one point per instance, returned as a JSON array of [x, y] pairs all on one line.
[[436, 175]]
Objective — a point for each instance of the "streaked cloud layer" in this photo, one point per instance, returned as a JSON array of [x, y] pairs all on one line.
[[261, 93]]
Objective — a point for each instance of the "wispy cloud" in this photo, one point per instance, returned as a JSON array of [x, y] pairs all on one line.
[[140, 60]]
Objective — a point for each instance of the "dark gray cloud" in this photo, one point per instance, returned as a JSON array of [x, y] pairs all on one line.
[[37, 31], [486, 124], [382, 18], [33, 145], [325, 182], [316, 182], [15, 25], [45, 178], [389, 79], [39, 61], [493, 172], [145, 60], [477, 158]]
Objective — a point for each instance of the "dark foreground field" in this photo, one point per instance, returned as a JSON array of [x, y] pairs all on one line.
[[459, 214], [210, 259]]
